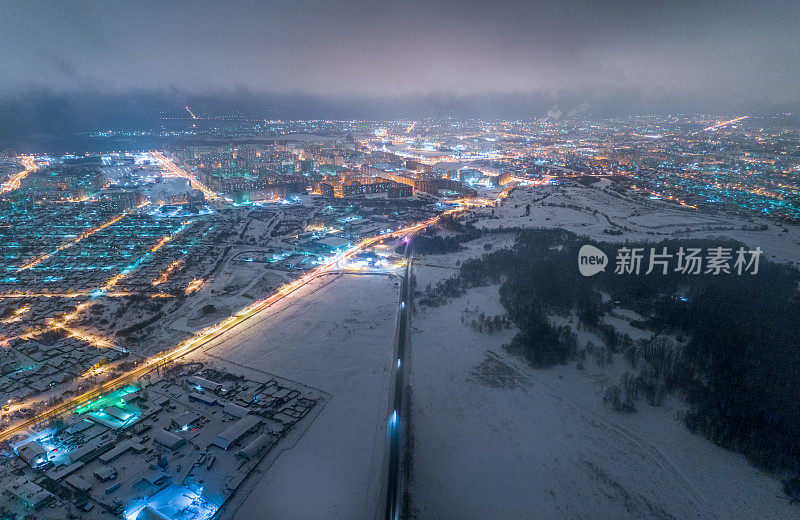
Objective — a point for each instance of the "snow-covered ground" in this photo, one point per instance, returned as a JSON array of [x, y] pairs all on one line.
[[590, 210], [495, 438], [336, 335], [236, 286]]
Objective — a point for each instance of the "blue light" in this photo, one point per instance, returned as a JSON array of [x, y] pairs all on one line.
[[175, 501]]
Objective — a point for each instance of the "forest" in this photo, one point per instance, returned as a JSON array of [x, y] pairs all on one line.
[[737, 366]]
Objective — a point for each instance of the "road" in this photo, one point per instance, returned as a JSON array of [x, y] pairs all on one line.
[[15, 181], [394, 426], [174, 171]]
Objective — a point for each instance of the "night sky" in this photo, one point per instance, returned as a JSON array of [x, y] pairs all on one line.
[[328, 58]]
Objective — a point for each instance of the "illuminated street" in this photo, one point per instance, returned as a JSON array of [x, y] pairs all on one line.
[[15, 181]]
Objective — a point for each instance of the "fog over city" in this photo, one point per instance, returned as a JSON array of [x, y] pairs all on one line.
[[406, 58]]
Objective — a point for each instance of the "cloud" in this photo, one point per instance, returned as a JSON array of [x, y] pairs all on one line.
[[706, 52]]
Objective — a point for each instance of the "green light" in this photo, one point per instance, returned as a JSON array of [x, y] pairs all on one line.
[[115, 398]]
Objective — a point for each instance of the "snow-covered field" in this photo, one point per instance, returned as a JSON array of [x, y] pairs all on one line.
[[495, 438], [336, 335], [237, 285], [590, 210]]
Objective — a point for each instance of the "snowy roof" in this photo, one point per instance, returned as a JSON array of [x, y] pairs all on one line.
[[235, 410], [30, 451], [236, 431], [120, 449], [30, 493], [334, 242], [167, 439], [203, 398], [78, 483], [205, 383], [256, 446], [187, 419]]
